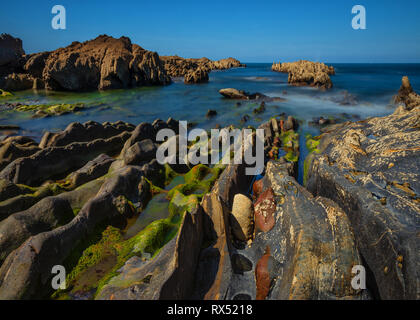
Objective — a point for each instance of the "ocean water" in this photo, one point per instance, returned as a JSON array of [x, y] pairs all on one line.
[[371, 87]]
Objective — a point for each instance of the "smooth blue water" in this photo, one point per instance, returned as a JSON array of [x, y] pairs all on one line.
[[373, 85]]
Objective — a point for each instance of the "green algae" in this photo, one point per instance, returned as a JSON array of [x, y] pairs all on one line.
[[312, 144], [4, 93], [290, 144], [45, 110], [97, 260]]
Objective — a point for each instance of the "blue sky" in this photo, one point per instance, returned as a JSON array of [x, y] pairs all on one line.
[[252, 31]]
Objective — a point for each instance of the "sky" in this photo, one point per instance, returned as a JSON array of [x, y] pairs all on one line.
[[252, 31]]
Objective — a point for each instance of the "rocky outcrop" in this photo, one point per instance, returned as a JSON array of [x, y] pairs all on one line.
[[176, 66], [371, 170], [231, 93], [11, 53], [56, 161], [196, 76], [88, 131], [306, 73], [17, 82], [99, 64], [303, 246], [407, 96], [16, 147]]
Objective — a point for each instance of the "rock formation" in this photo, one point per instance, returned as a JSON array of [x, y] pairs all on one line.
[[99, 64], [407, 96], [196, 76], [306, 73], [196, 70], [11, 53], [371, 169], [231, 93]]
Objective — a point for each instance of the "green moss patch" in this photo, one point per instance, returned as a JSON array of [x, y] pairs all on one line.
[[45, 110], [4, 93]]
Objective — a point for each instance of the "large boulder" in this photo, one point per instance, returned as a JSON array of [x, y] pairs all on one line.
[[371, 169]]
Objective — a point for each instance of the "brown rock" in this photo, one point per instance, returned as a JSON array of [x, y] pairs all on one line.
[[102, 63], [242, 218], [306, 73]]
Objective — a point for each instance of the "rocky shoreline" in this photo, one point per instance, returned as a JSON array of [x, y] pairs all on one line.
[[94, 199], [100, 64]]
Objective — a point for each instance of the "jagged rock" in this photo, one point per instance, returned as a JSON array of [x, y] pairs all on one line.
[[102, 63], [196, 76], [231, 93], [11, 52], [46, 215], [406, 95], [306, 73], [140, 152], [242, 218], [307, 252], [16, 147], [35, 64], [159, 124], [170, 275], [93, 169], [9, 190], [173, 124], [26, 272], [88, 131], [176, 66], [290, 124], [17, 82], [371, 169], [54, 161], [227, 63]]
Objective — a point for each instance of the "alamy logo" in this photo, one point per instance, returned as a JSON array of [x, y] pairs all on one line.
[[59, 280], [174, 149], [359, 20], [59, 20], [359, 280]]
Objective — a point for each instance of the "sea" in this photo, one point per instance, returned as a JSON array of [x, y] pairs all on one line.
[[359, 91]]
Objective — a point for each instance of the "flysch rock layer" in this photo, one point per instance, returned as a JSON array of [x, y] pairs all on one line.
[[371, 168]]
